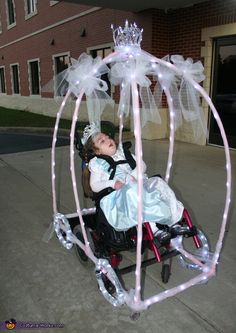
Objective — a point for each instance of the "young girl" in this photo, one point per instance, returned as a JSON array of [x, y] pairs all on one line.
[[120, 206]]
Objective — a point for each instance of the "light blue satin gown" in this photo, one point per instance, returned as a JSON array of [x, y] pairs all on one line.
[[120, 207]]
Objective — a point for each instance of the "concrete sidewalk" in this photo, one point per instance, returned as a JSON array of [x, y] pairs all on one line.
[[43, 282]]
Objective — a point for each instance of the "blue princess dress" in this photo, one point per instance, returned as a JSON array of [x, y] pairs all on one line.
[[120, 206]]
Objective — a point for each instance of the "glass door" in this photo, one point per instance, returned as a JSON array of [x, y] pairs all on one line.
[[224, 90]]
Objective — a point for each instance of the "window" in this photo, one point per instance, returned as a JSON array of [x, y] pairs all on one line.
[[11, 12], [103, 52], [34, 77], [61, 63], [2, 81], [30, 7], [15, 79]]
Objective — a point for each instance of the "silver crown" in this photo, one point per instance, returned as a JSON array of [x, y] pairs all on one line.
[[129, 36], [89, 131]]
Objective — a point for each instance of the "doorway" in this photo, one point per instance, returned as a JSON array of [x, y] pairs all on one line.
[[224, 90]]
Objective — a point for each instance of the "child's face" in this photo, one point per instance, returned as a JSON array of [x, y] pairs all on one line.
[[104, 144]]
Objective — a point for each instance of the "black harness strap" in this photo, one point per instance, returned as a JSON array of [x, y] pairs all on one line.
[[113, 164]]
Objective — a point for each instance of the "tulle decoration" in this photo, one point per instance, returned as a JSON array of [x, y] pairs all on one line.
[[123, 74], [84, 74], [187, 98], [166, 79]]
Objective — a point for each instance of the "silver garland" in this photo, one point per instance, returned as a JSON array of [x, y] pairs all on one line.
[[63, 230], [104, 268]]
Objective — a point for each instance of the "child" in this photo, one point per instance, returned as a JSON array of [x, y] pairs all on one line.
[[120, 206]]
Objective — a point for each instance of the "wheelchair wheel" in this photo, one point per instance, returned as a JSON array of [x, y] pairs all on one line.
[[81, 255], [165, 273]]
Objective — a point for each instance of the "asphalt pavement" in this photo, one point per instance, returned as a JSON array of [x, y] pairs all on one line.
[[14, 143]]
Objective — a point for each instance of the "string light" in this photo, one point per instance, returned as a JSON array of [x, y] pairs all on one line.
[[201, 260]]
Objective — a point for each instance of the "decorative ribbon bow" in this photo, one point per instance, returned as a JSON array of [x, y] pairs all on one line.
[[188, 98], [84, 74], [135, 70]]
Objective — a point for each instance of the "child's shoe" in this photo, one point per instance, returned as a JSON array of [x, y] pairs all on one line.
[[162, 236]]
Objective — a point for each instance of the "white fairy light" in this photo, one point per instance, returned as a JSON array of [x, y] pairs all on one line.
[[131, 49]]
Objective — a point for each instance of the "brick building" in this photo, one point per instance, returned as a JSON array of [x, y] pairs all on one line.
[[37, 39]]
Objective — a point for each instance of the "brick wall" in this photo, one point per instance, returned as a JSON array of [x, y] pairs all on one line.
[[172, 32], [186, 24]]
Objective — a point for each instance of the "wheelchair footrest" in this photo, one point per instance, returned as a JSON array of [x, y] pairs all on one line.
[[185, 231]]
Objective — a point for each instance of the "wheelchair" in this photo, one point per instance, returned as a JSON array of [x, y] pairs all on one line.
[[110, 244]]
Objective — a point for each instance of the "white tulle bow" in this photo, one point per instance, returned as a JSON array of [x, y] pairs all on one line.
[[85, 74], [187, 100], [135, 70], [189, 68]]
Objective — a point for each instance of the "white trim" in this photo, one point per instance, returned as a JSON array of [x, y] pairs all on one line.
[[207, 51], [101, 46], [33, 13], [5, 83], [30, 76], [69, 19], [53, 3], [12, 83], [9, 26], [207, 36], [61, 54], [0, 23]]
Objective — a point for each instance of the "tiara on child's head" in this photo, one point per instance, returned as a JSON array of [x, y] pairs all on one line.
[[89, 130]]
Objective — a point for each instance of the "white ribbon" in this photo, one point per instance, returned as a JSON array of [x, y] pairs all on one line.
[[135, 70], [188, 98], [85, 74], [166, 79]]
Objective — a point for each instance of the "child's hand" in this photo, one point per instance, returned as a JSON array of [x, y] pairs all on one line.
[[118, 185]]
